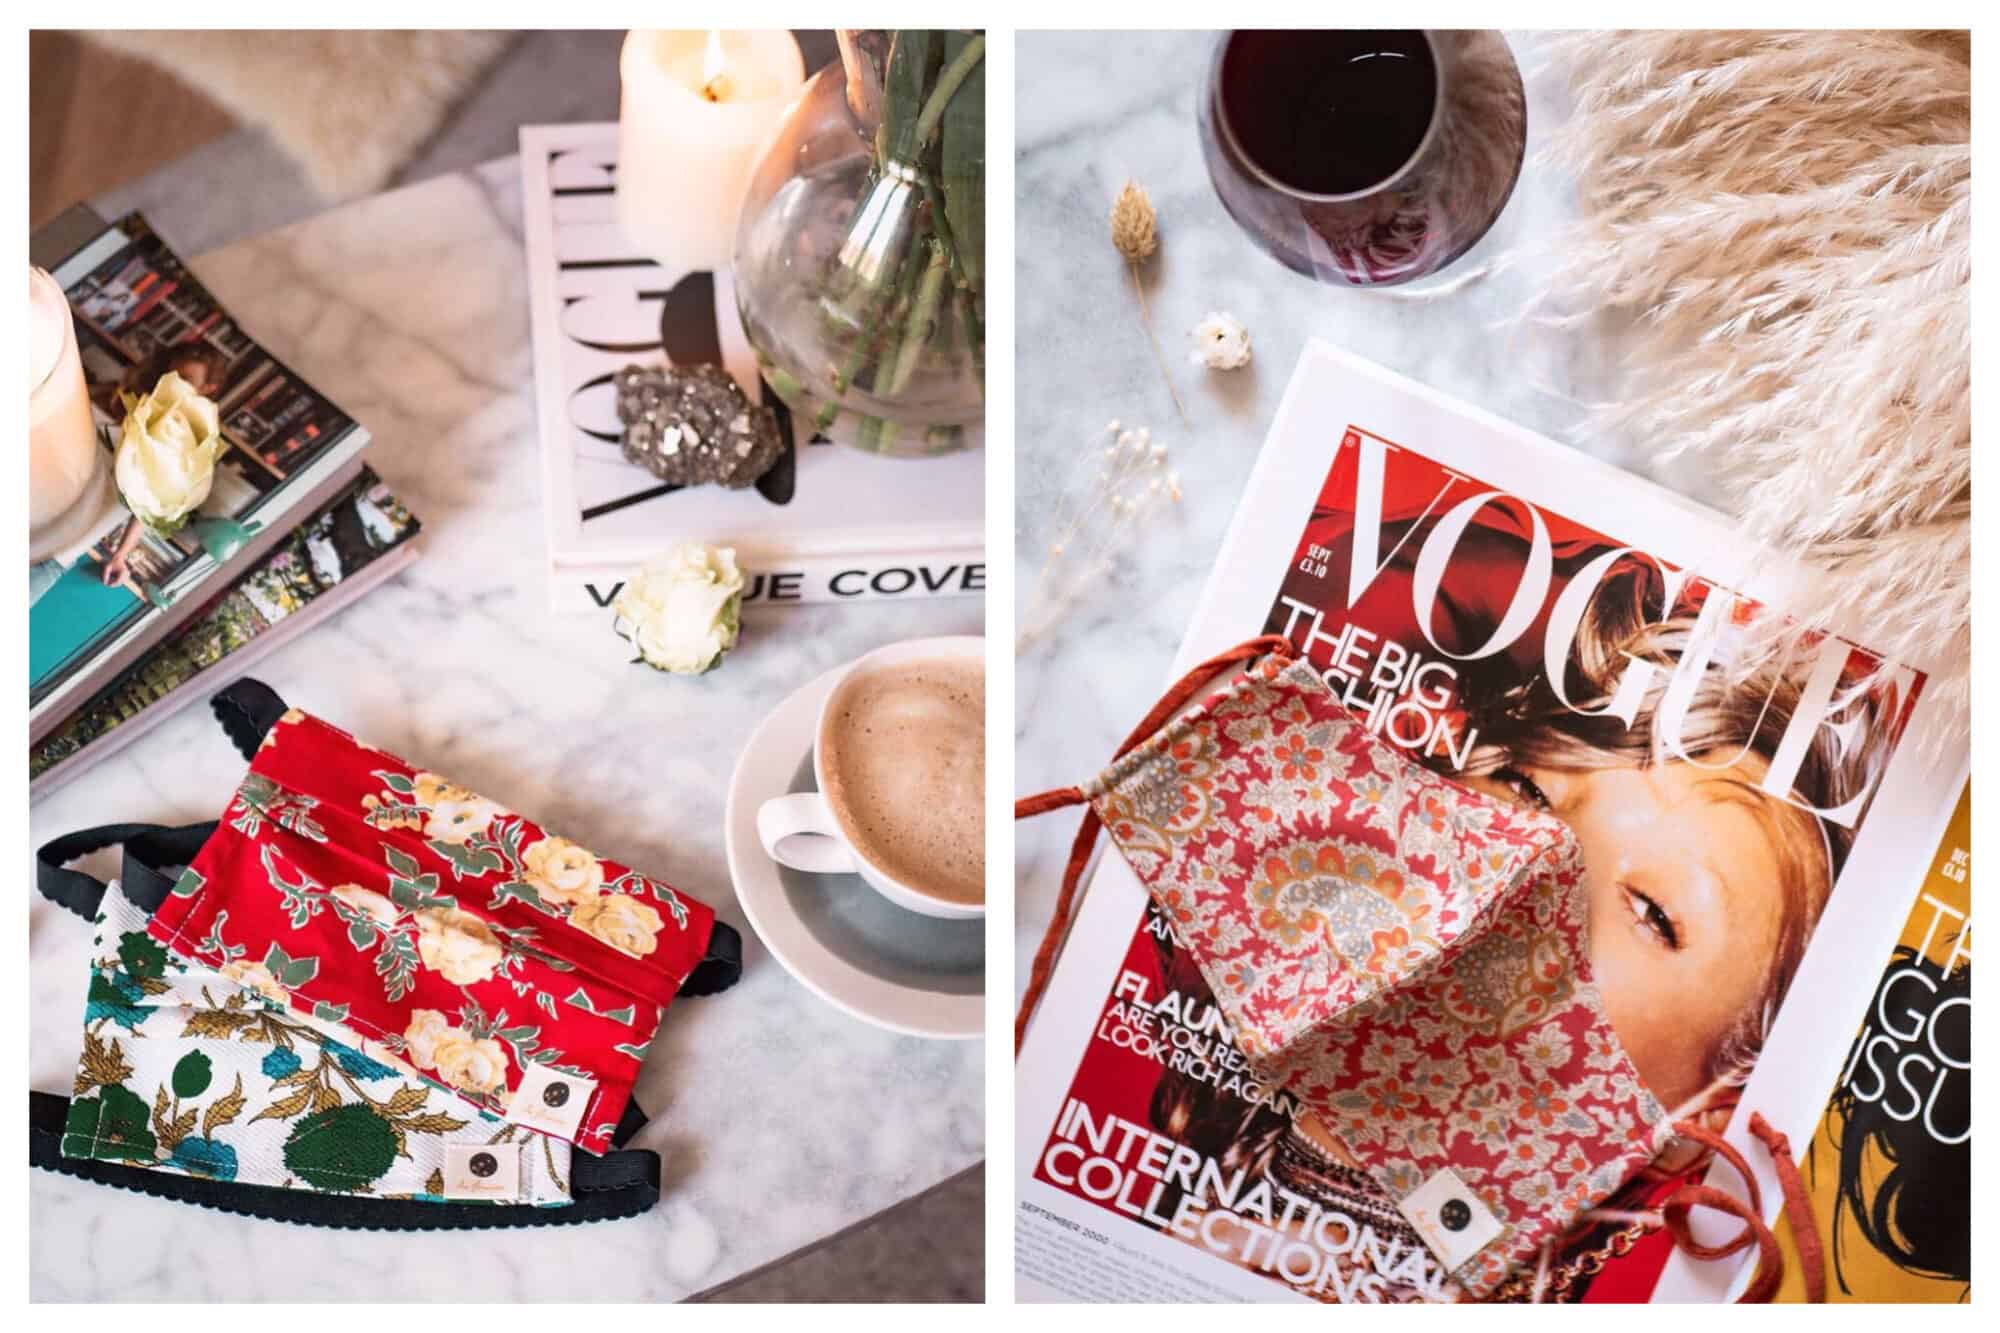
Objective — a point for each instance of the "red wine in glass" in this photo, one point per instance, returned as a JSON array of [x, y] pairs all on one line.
[[1364, 157]]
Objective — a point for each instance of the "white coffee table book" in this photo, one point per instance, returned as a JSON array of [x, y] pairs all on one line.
[[854, 526]]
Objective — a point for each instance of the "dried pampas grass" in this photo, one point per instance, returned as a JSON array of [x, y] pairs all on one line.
[[1788, 217]]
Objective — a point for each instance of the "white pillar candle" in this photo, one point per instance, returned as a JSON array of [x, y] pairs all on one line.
[[63, 453], [695, 110]]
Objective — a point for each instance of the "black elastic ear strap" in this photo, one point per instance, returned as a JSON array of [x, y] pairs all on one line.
[[618, 1184], [247, 710], [154, 856], [80, 892], [720, 967]]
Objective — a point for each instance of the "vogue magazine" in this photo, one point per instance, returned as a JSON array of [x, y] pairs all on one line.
[[1747, 791]]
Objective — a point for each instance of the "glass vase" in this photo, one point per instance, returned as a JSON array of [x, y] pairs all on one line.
[[861, 249]]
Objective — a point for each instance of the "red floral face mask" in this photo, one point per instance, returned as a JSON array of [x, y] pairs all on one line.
[[490, 955], [1407, 956]]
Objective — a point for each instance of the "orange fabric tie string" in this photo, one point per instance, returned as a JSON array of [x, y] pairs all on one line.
[[1798, 1208], [1171, 702]]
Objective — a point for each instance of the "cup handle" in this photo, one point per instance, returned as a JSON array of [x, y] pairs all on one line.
[[800, 831]]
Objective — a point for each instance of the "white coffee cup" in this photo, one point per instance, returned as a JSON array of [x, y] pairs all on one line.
[[802, 831]]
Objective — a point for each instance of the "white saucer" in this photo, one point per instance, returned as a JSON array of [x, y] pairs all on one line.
[[846, 943]]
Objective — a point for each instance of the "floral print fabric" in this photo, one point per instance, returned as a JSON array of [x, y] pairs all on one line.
[[458, 936], [186, 1070], [1406, 955]]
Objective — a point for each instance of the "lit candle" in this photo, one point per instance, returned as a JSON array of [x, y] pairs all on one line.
[[63, 454], [695, 111]]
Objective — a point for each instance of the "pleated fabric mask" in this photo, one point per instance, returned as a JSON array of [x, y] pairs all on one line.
[[506, 963], [1407, 956], [196, 1085]]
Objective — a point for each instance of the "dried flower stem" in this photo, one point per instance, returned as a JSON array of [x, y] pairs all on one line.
[[1135, 233], [1159, 357], [1099, 515]]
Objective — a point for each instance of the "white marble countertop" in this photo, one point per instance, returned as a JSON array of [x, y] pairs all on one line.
[[779, 1120], [1094, 109]]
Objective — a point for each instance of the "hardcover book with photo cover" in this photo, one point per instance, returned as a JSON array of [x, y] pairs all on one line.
[[1554, 633], [827, 524], [139, 313]]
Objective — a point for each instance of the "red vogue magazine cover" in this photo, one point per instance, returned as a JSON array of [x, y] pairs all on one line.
[[1715, 764]]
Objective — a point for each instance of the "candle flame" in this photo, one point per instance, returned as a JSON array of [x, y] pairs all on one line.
[[714, 69]]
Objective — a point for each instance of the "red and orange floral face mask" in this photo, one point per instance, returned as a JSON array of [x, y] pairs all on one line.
[[1406, 955]]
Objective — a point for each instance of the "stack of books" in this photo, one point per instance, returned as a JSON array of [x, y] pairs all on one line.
[[295, 526]]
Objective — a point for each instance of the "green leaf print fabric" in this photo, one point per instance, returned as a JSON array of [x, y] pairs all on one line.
[[203, 1073]]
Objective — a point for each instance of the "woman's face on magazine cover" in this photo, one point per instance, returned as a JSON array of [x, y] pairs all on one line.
[[1686, 906]]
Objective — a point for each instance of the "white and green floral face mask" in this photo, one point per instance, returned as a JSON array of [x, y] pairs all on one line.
[[193, 1084], [186, 1070]]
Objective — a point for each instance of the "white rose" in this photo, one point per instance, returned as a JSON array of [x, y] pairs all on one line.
[[458, 819], [166, 452], [682, 610], [561, 871], [367, 902], [457, 945], [427, 1028], [1221, 343], [476, 1066]]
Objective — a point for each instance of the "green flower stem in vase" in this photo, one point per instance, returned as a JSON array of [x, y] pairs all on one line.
[[860, 256]]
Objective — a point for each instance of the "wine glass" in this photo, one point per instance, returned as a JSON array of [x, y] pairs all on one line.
[[1364, 157]]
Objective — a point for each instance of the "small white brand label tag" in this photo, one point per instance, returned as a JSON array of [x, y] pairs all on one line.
[[482, 1171], [550, 1102], [1450, 1218]]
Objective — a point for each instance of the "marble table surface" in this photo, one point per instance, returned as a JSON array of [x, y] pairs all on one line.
[[1096, 109], [779, 1120]]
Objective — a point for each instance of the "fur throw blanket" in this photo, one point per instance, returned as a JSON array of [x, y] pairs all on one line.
[[1787, 217], [352, 106]]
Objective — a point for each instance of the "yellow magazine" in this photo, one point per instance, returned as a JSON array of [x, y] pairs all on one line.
[[1890, 1169]]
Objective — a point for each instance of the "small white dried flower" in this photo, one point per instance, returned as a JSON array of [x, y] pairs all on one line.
[[1221, 342]]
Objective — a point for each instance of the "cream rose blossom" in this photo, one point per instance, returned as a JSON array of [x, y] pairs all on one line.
[[367, 902], [562, 872], [682, 610], [431, 789], [457, 945], [475, 1065], [257, 977], [166, 452], [621, 921], [427, 1028], [458, 818]]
